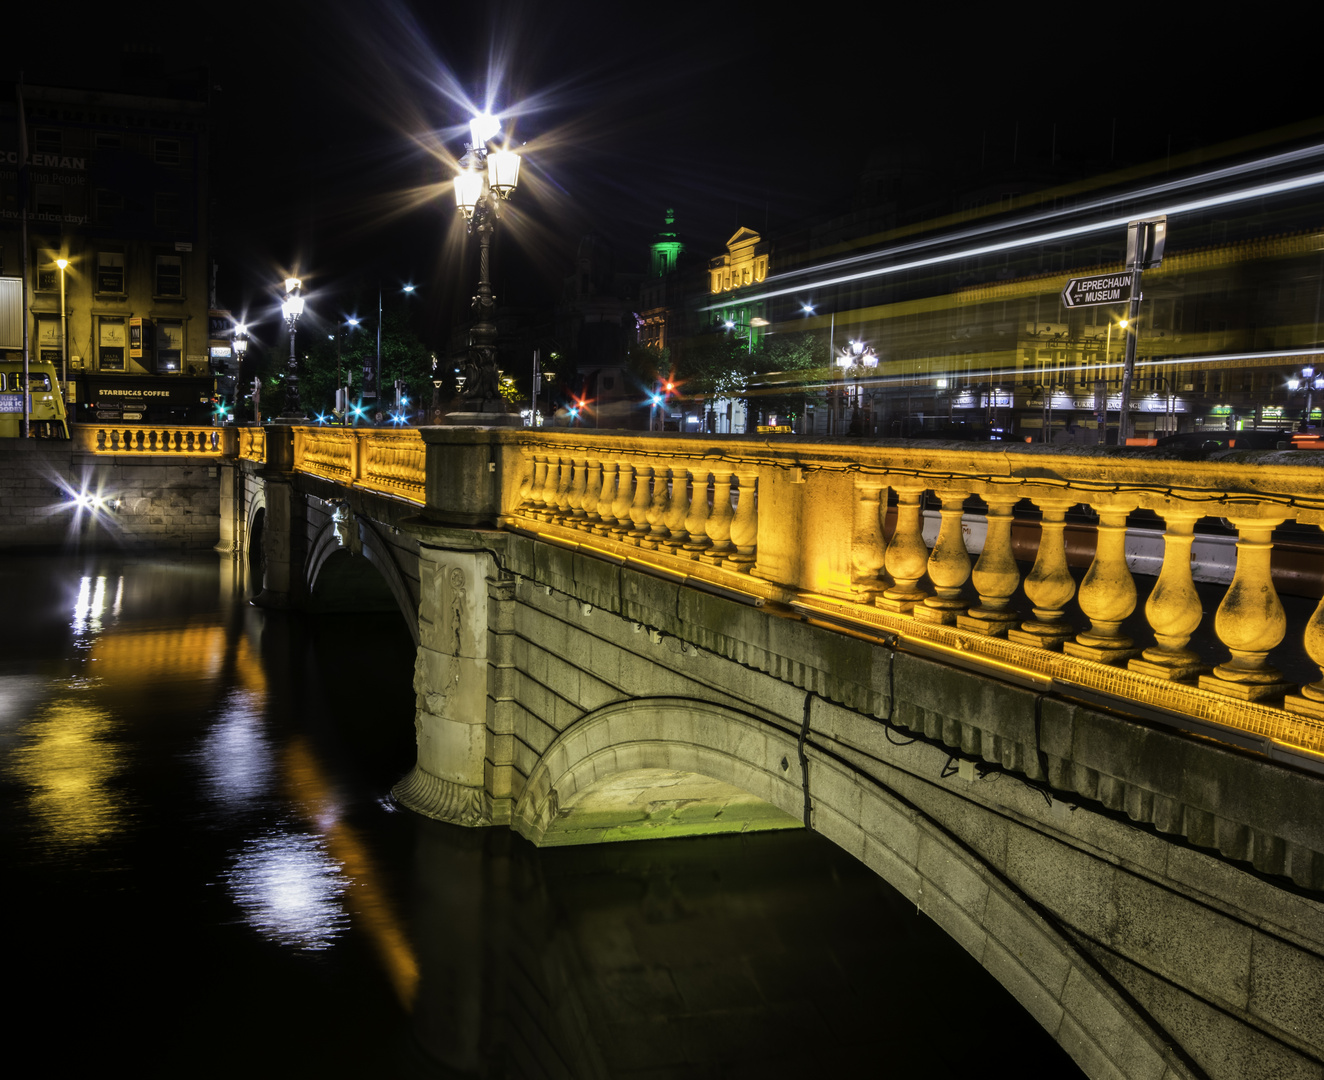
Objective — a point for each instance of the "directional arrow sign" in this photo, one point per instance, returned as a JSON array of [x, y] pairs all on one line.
[[1090, 291]]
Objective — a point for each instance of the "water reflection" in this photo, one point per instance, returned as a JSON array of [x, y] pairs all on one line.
[[290, 889], [67, 762], [236, 759], [218, 762]]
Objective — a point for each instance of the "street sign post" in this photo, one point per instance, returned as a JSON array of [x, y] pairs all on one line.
[[1093, 291]]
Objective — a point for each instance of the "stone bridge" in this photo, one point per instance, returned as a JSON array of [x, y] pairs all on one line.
[[1121, 818]]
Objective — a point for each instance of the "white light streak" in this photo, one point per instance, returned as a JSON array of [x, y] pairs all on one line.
[[1259, 191]]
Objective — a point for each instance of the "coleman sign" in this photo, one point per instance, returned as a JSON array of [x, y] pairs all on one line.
[[1089, 291]]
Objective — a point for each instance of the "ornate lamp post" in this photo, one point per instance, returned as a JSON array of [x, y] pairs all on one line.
[[487, 178], [291, 308], [856, 360], [1306, 379], [239, 342]]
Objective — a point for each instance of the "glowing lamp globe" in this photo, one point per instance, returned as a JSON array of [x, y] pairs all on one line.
[[503, 171], [468, 190]]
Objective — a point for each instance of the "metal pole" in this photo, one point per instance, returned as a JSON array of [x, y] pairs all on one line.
[[378, 386], [64, 342], [1129, 362]]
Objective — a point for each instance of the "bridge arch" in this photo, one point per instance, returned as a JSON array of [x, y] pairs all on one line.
[[348, 562], [1031, 955], [254, 540]]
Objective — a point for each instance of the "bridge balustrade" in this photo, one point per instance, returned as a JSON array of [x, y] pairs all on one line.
[[252, 444], [807, 526], [150, 439], [387, 461]]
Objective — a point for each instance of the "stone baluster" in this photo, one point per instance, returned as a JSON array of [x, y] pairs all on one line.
[[643, 500], [949, 564], [578, 488], [529, 484], [621, 502], [1108, 592], [1250, 620], [745, 525], [678, 509], [867, 544], [592, 494], [1310, 702], [907, 555], [1049, 584], [561, 505], [1173, 608], [658, 506], [547, 503], [718, 527], [696, 520]]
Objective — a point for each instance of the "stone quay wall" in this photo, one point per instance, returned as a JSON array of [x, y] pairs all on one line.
[[154, 501]]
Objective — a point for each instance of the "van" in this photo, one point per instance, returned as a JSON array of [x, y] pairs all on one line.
[[47, 414]]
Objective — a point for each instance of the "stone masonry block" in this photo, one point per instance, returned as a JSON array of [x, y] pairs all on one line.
[[1287, 989], [1109, 1028], [1019, 978], [965, 697], [953, 875], [1026, 940]]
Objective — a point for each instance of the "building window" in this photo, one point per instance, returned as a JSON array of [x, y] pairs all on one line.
[[47, 140], [110, 344], [166, 210], [105, 140], [109, 206], [169, 275], [48, 274], [48, 340], [165, 151], [110, 272], [169, 346], [49, 200]]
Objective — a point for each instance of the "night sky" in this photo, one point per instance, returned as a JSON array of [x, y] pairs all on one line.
[[335, 121]]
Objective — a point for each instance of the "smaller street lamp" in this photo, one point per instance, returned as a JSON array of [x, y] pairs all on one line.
[[239, 342], [857, 360], [64, 331], [291, 308], [1307, 380]]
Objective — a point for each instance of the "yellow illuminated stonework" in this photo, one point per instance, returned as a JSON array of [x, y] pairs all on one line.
[[745, 262]]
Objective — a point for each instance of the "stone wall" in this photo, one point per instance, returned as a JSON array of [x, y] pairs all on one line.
[[156, 502]]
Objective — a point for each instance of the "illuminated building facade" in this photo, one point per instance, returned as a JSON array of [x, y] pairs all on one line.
[[730, 280], [118, 188]]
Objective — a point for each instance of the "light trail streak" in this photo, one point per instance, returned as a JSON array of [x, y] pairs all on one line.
[[1260, 191], [1292, 157]]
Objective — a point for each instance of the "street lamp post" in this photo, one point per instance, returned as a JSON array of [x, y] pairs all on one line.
[[291, 308], [239, 342], [487, 178], [1306, 379], [856, 360], [64, 333]]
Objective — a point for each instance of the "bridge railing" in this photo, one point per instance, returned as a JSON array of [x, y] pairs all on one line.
[[809, 525], [391, 462], [163, 439]]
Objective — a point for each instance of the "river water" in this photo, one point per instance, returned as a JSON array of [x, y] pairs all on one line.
[[204, 875]]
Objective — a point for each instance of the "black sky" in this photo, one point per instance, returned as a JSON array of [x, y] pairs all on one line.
[[332, 118]]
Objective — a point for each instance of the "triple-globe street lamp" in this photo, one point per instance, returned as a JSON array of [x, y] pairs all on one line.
[[487, 178], [857, 360], [1306, 379]]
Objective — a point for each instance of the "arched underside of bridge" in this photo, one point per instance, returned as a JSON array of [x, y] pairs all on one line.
[[357, 572], [628, 771]]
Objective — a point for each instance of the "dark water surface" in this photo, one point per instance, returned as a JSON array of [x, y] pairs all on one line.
[[204, 875]]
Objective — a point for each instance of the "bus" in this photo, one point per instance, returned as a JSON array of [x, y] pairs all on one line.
[[47, 415]]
